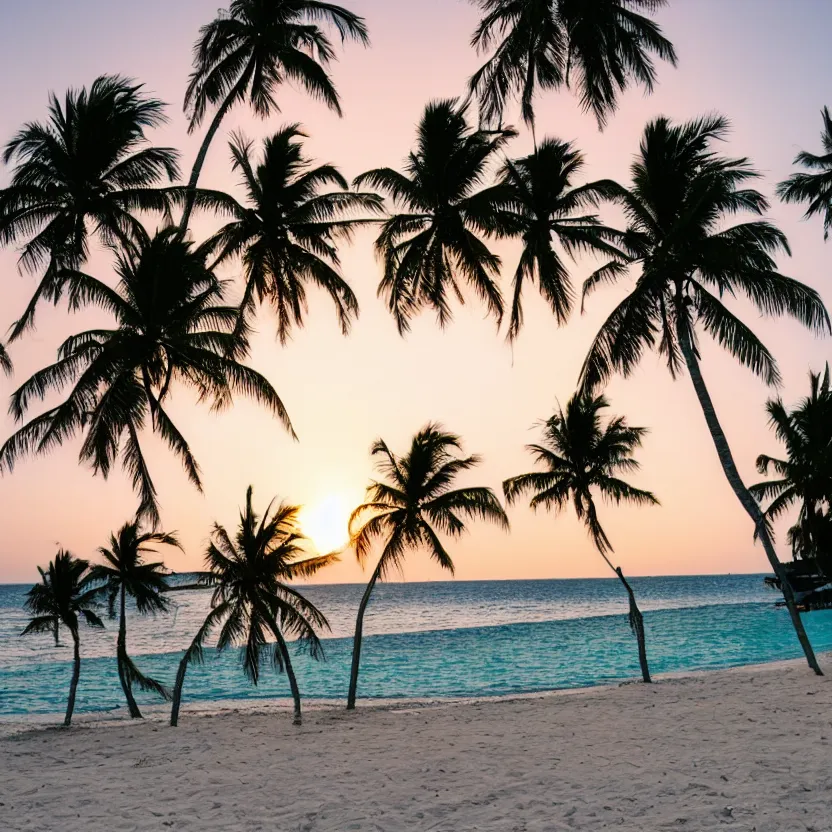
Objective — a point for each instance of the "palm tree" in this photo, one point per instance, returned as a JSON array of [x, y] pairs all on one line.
[[5, 361], [412, 508], [427, 249], [253, 600], [86, 170], [61, 598], [582, 456], [171, 326], [126, 574], [286, 233], [678, 213], [813, 188], [805, 475], [540, 205], [250, 50], [599, 48]]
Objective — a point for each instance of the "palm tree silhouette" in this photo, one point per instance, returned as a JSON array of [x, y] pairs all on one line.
[[126, 574], [805, 475], [171, 326], [813, 188], [539, 205], [599, 48], [250, 50], [87, 169], [287, 231], [412, 508], [430, 247], [61, 598], [253, 600], [683, 193], [582, 456]]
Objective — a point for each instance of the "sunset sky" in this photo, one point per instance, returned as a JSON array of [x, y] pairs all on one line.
[[764, 63]]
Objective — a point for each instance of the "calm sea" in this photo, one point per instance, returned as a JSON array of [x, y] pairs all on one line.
[[476, 638]]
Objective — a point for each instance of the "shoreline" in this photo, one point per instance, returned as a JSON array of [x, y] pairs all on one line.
[[158, 714], [746, 747]]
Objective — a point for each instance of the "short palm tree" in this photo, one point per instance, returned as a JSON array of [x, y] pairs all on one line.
[[804, 477], [597, 47], [86, 170], [253, 602], [690, 258], [62, 599], [287, 232], [540, 206], [813, 188], [126, 574], [583, 457], [412, 508], [171, 326], [433, 245], [249, 51]]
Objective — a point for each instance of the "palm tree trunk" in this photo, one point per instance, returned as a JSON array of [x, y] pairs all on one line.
[[121, 655], [76, 672], [743, 494], [356, 642], [190, 196], [637, 625], [290, 672], [177, 689]]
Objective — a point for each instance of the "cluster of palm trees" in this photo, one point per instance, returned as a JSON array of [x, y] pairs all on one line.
[[695, 235]]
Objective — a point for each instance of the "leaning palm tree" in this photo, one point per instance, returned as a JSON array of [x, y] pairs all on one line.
[[126, 574], [690, 258], [171, 326], [813, 189], [286, 233], [583, 457], [85, 171], [411, 509], [599, 48], [539, 205], [253, 601], [804, 477], [433, 245], [249, 51], [61, 599]]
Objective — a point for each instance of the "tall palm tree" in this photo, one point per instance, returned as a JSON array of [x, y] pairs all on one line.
[[410, 510], [815, 189], [61, 599], [539, 206], [171, 326], [253, 600], [599, 48], [805, 475], [433, 244], [287, 231], [126, 574], [582, 456], [85, 171], [678, 210], [250, 50]]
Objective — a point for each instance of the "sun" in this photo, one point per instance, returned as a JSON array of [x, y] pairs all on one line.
[[325, 523]]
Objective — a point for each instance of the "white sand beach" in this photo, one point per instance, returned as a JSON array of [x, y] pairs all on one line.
[[745, 749]]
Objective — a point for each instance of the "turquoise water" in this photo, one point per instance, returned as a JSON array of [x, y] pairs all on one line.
[[433, 640]]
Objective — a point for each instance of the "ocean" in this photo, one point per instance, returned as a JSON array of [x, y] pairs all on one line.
[[427, 640]]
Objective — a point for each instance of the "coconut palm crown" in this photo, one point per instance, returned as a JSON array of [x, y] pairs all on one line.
[[599, 48], [84, 172], [171, 327], [813, 186], [287, 231], [433, 246]]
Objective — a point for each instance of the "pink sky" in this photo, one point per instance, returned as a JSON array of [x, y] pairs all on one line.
[[751, 59]]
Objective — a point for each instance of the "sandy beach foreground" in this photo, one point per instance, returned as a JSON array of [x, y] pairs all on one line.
[[747, 749]]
